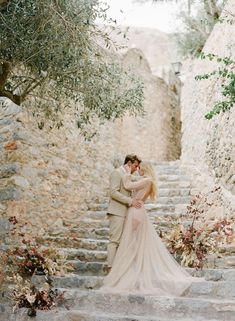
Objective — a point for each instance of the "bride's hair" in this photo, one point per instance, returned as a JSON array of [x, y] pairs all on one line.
[[148, 170]]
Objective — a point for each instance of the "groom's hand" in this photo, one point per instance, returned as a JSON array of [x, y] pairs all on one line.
[[135, 203], [128, 169]]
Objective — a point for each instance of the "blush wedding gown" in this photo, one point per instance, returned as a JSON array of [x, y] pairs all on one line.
[[142, 263]]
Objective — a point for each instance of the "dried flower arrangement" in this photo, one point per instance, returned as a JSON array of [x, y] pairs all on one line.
[[194, 243], [26, 295], [28, 260], [23, 259]]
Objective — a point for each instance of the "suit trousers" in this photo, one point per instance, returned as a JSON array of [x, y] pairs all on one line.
[[116, 224]]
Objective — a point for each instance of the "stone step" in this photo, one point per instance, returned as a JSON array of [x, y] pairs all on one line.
[[214, 274], [224, 262], [211, 289], [169, 170], [209, 274], [102, 215], [74, 239], [227, 249], [97, 239], [85, 255], [172, 177], [173, 200], [75, 242], [170, 192], [75, 281], [81, 244], [94, 244], [90, 223], [99, 268], [93, 233], [80, 315], [88, 268], [161, 209], [59, 314], [173, 184], [157, 207], [140, 305]]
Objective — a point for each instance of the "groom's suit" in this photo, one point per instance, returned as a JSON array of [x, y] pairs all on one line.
[[120, 200]]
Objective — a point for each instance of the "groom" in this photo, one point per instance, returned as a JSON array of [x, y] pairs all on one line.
[[120, 200]]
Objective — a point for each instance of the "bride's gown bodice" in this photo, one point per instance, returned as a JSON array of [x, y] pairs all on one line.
[[143, 263], [140, 189]]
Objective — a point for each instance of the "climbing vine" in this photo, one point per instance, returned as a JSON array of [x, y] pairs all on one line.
[[226, 72]]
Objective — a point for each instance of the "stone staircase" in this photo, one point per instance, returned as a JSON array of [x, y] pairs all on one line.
[[86, 244]]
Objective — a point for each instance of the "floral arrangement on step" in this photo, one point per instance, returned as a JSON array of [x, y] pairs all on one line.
[[24, 259], [29, 260], [26, 295], [194, 243]]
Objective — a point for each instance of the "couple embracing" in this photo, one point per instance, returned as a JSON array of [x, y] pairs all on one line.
[[138, 261]]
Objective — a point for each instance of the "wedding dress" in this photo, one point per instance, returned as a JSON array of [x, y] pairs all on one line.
[[142, 263]]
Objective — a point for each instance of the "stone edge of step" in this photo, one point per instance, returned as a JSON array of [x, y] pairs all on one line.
[[57, 314]]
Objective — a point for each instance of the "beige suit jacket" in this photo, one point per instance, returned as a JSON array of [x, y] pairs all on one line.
[[120, 198]]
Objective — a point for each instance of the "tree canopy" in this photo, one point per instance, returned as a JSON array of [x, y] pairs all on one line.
[[50, 56], [198, 18]]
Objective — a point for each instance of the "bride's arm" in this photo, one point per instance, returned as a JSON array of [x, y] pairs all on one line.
[[129, 185]]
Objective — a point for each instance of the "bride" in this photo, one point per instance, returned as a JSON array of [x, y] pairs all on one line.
[[142, 263]]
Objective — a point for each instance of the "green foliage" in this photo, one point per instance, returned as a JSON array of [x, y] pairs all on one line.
[[190, 43], [52, 58], [198, 20], [226, 72]]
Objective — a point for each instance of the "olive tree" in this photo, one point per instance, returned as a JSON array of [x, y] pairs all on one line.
[[53, 57]]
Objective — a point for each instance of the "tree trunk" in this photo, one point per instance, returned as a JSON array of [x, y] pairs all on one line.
[[4, 74], [212, 9]]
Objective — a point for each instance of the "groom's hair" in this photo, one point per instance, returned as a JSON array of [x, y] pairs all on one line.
[[132, 158]]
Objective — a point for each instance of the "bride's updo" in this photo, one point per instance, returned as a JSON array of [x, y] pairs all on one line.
[[149, 171]]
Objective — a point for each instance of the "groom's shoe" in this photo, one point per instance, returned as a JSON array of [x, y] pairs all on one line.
[[107, 269]]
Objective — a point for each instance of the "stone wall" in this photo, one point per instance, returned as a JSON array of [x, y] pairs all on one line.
[[50, 176], [157, 135], [208, 146], [159, 47]]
